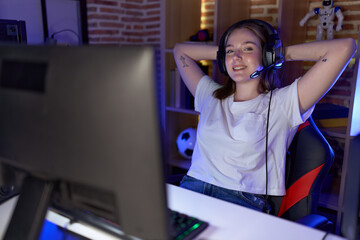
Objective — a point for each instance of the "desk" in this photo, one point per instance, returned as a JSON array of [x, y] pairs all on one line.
[[230, 221], [227, 220]]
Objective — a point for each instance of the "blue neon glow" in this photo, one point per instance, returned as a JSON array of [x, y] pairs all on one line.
[[355, 121], [54, 232]]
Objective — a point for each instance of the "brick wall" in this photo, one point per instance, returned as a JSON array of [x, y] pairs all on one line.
[[118, 22], [207, 15], [266, 10]]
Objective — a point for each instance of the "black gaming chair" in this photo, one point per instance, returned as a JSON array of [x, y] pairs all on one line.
[[308, 162]]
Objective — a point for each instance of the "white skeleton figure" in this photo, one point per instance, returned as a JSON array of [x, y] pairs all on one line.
[[326, 16]]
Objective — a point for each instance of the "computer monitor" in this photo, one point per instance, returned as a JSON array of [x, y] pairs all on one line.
[[83, 123], [350, 220]]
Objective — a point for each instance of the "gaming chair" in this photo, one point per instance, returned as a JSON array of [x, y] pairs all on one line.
[[308, 162]]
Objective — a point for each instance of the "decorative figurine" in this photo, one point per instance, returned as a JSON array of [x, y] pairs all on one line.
[[326, 16]]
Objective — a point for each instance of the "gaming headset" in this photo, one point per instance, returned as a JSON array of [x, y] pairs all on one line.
[[271, 50]]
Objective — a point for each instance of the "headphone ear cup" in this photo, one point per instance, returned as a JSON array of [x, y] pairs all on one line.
[[268, 55], [220, 58], [272, 51]]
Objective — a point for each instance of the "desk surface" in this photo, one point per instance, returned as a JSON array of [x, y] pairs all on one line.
[[230, 221], [227, 220]]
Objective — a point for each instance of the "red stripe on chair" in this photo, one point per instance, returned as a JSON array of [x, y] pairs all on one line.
[[298, 190], [301, 126]]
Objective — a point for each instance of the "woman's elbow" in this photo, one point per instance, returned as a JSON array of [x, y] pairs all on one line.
[[350, 46], [178, 49]]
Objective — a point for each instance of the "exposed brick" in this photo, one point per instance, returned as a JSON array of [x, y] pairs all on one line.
[[154, 12], [103, 16], [149, 33], [352, 7], [256, 10], [111, 10], [343, 83], [103, 2], [207, 21], [134, 13], [150, 6], [91, 9], [112, 39], [208, 7], [138, 34], [150, 19], [94, 39], [263, 2], [103, 31], [266, 18], [135, 40], [150, 26], [130, 6], [131, 19], [153, 40], [111, 24], [138, 27], [311, 28], [207, 14], [348, 27], [336, 101], [352, 17], [345, 35], [340, 92], [272, 10], [92, 24]]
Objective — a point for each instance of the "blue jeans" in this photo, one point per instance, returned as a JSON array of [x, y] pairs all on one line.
[[249, 200]]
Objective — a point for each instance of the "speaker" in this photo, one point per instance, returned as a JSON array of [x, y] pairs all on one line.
[[271, 50]]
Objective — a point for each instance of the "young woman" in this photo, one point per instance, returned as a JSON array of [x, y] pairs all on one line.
[[247, 124]]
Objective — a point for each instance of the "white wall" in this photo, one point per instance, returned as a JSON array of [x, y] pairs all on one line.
[[62, 15], [27, 10]]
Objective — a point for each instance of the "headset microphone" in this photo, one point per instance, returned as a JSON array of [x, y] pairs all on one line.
[[276, 65], [257, 73]]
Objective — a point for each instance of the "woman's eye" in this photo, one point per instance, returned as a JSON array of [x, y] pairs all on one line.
[[229, 51], [248, 49]]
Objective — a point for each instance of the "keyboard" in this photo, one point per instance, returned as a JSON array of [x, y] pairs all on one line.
[[182, 226], [186, 227]]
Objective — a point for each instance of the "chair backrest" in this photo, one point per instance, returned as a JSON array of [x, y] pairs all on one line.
[[308, 162]]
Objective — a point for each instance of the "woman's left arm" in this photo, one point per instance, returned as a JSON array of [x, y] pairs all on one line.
[[331, 56]]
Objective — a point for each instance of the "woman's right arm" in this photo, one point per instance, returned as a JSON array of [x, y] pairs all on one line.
[[186, 55]]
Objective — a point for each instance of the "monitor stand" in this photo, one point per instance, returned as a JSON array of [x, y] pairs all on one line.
[[29, 214]]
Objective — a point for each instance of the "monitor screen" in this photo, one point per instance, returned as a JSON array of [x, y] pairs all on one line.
[[86, 117]]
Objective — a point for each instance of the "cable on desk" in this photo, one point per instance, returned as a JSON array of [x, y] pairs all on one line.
[[70, 222], [326, 234]]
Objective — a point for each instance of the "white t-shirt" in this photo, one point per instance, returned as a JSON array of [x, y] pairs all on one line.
[[230, 146]]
